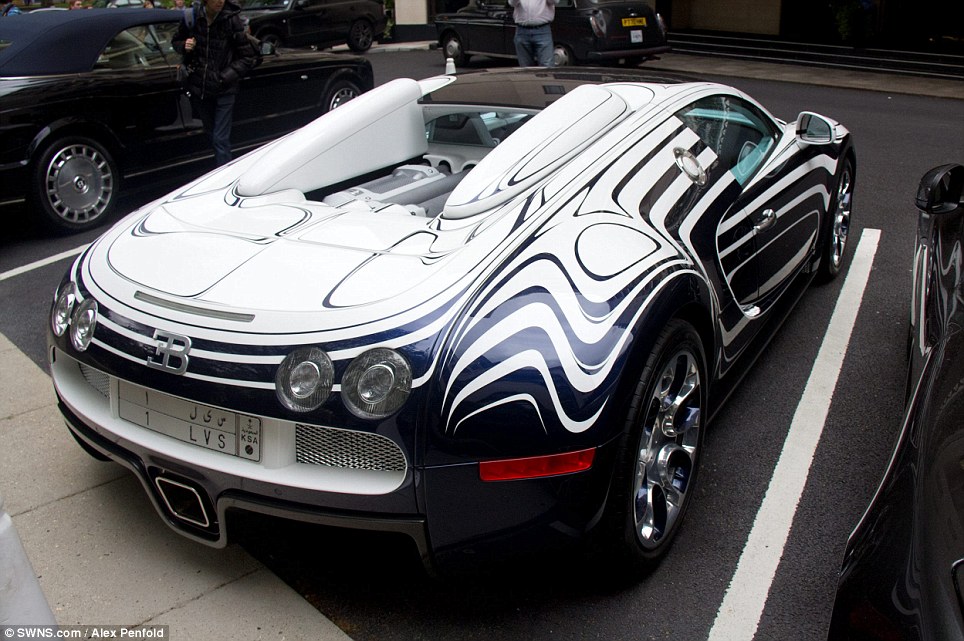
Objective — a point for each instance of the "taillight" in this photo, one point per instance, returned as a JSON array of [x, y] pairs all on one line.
[[537, 466]]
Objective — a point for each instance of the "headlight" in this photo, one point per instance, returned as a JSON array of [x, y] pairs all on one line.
[[303, 381], [82, 324], [376, 383], [60, 315]]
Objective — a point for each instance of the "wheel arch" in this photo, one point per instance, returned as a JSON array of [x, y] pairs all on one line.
[[349, 75], [76, 127], [688, 299]]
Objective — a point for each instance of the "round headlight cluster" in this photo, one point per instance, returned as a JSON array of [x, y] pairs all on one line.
[[60, 315], [79, 319], [376, 383], [304, 379], [82, 324]]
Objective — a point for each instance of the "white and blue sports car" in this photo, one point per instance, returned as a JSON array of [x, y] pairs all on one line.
[[495, 312]]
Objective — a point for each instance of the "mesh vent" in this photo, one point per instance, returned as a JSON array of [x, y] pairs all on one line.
[[347, 449], [96, 379]]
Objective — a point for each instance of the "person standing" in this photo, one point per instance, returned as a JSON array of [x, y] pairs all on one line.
[[10, 9], [217, 54], [533, 31]]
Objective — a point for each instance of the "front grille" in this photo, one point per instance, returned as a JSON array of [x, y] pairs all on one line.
[[344, 448], [96, 379]]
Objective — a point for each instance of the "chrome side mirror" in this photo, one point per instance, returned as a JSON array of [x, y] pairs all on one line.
[[814, 129], [940, 189]]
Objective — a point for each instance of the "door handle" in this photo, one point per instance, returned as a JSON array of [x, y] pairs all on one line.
[[767, 218]]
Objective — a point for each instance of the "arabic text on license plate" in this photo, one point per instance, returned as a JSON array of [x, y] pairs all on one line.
[[634, 22], [201, 425]]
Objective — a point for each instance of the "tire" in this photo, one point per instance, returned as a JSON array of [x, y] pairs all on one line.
[[338, 93], [838, 225], [452, 48], [562, 56], [361, 35], [74, 184], [658, 456]]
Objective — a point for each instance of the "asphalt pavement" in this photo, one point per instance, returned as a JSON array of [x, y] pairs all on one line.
[[102, 555], [805, 74]]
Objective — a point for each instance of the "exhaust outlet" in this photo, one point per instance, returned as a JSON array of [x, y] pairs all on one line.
[[183, 501]]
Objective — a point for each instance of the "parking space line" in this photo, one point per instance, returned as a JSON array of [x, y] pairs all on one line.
[[739, 614], [41, 263]]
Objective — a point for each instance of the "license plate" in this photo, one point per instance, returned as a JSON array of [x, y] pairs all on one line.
[[634, 22], [636, 36], [194, 423]]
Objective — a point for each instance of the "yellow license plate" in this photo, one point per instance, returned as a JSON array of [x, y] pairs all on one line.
[[634, 22]]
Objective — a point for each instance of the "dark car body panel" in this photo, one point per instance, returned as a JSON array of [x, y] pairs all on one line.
[[321, 23], [140, 115], [488, 29], [901, 574]]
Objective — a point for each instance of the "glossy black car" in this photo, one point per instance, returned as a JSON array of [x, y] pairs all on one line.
[[90, 100], [903, 571], [591, 31], [321, 23]]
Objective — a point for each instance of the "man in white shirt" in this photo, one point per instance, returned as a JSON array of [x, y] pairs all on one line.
[[533, 33]]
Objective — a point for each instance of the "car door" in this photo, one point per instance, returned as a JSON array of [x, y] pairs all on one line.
[[142, 101], [740, 138], [489, 30], [306, 22], [785, 198], [736, 141], [278, 96]]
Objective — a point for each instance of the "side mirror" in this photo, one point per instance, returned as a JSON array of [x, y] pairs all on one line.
[[301, 4], [814, 129], [940, 189], [267, 48]]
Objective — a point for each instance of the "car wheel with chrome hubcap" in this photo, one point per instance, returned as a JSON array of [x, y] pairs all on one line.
[[75, 184], [656, 465]]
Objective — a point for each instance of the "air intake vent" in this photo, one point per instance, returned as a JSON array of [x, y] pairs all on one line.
[[343, 448], [96, 379]]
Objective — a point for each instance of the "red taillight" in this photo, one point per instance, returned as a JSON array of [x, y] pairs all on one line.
[[536, 466]]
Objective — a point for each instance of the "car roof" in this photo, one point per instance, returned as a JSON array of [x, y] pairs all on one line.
[[41, 43], [536, 88]]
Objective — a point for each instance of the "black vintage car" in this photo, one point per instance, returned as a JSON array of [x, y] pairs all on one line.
[[593, 31], [90, 99], [321, 23], [903, 571]]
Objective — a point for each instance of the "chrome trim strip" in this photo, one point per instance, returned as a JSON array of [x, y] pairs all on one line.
[[190, 309]]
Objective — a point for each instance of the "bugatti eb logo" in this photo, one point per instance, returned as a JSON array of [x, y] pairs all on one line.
[[171, 352]]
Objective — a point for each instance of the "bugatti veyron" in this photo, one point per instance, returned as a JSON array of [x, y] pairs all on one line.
[[507, 327]]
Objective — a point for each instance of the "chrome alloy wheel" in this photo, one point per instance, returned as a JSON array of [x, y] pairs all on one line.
[[341, 96], [668, 449], [841, 217], [78, 183]]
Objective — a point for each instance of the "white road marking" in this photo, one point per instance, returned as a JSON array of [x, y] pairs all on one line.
[[42, 263], [739, 614]]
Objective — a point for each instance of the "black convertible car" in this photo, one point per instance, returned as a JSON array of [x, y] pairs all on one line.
[[903, 571], [90, 99]]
